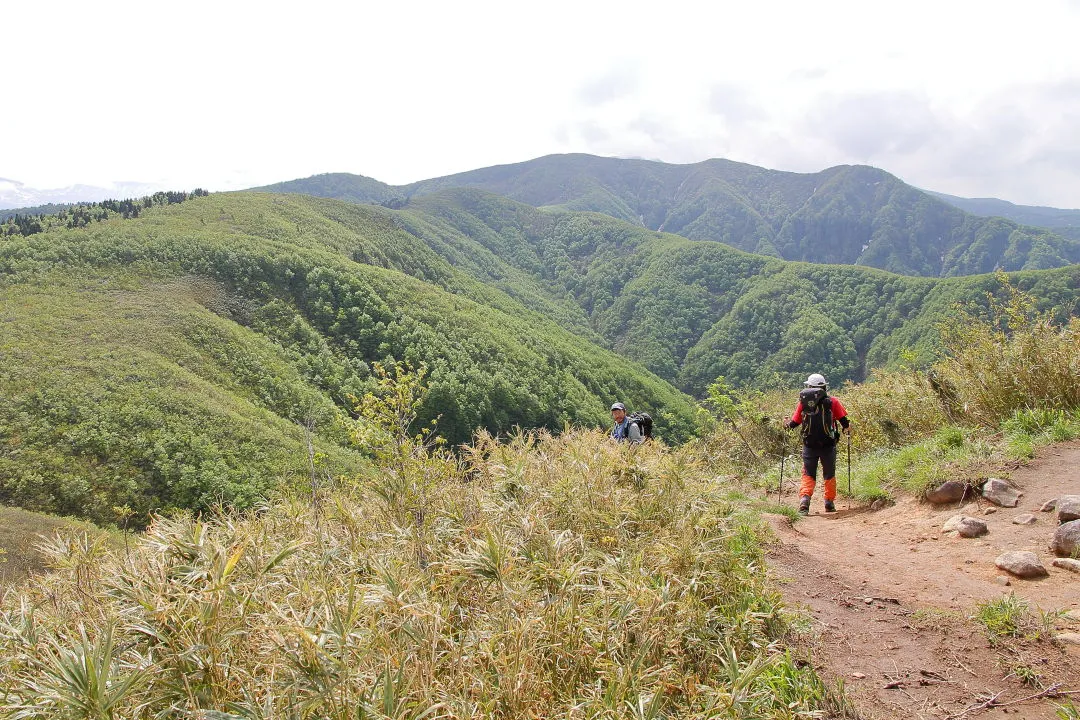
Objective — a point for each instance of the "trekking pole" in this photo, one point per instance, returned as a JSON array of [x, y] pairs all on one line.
[[780, 485], [849, 463]]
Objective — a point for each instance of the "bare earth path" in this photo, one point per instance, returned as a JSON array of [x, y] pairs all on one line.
[[889, 596]]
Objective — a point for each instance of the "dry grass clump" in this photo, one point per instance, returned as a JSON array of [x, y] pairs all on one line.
[[536, 577], [893, 409], [20, 531], [1012, 360]]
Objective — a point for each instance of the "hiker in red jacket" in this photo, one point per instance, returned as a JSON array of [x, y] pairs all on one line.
[[818, 414]]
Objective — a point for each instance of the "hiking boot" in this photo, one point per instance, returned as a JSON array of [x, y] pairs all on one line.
[[804, 505], [829, 507]]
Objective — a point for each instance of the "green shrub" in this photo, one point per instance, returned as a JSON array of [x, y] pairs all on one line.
[[1007, 616]]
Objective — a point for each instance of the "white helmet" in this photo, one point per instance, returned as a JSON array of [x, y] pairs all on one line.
[[815, 380]]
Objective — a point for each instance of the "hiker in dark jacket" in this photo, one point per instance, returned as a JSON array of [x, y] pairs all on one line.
[[818, 414], [624, 429]]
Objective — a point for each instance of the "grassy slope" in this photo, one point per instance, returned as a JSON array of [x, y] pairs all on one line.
[[566, 577], [21, 532], [123, 390], [295, 296], [549, 576]]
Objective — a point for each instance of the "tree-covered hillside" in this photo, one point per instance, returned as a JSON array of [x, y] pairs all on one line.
[[175, 359], [691, 311], [853, 215]]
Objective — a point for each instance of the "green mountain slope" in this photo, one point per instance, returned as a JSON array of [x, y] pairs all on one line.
[[852, 215], [170, 360], [124, 389], [343, 186]]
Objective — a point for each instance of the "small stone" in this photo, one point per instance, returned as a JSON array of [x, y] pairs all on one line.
[[948, 492], [990, 511], [1068, 508], [965, 526], [1049, 505], [1069, 638], [1022, 563], [1067, 564], [858, 675], [1066, 540], [1002, 580], [1001, 493], [1025, 519], [953, 523]]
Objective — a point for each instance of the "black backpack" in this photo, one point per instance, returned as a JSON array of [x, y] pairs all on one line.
[[643, 421], [818, 426]]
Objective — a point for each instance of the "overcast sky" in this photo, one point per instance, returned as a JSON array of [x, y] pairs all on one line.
[[978, 99]]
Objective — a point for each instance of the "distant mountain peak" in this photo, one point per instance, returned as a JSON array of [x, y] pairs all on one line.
[[845, 214]]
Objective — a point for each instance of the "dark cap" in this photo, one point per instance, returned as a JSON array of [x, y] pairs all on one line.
[[618, 406]]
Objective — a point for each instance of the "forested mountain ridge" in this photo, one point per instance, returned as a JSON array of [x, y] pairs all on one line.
[[854, 215], [691, 311], [1063, 222]]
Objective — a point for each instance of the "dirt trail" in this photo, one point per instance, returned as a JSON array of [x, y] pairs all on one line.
[[911, 651]]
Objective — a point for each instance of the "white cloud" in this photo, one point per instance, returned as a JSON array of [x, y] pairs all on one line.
[[971, 98]]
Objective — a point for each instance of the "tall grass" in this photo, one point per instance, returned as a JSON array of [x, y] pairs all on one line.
[[549, 577], [1013, 359]]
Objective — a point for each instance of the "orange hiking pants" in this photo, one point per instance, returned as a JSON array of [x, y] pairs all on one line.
[[810, 458]]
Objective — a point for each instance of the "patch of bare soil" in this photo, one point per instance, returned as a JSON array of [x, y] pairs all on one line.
[[889, 596]]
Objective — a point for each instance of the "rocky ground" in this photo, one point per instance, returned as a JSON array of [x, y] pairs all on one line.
[[889, 595]]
